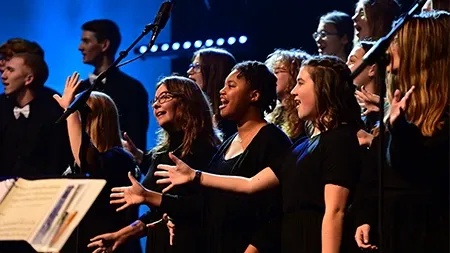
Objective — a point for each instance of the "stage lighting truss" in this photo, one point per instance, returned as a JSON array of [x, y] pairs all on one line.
[[177, 48]]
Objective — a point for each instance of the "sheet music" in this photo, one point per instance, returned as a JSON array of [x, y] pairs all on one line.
[[24, 207], [45, 212]]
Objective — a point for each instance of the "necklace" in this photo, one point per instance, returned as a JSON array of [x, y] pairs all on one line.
[[175, 150]]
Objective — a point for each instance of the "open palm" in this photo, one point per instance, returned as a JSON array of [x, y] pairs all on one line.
[[131, 195], [70, 88], [399, 104], [181, 173]]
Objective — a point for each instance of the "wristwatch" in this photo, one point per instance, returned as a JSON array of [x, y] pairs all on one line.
[[198, 174]]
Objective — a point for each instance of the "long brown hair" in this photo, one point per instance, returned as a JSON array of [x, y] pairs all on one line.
[[216, 64], [102, 123], [334, 91], [286, 116], [423, 47], [193, 116]]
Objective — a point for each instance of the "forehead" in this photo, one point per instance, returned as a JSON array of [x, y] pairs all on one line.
[[304, 73], [327, 27], [15, 62], [358, 51], [162, 88], [196, 59], [233, 76], [88, 35]]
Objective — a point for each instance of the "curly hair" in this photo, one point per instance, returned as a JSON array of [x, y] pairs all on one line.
[[260, 78], [334, 91], [193, 116], [285, 114]]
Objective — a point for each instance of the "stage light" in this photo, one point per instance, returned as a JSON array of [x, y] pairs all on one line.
[[231, 40], [242, 39], [164, 47], [220, 42], [198, 43], [143, 49], [176, 46], [209, 42], [154, 48], [187, 45]]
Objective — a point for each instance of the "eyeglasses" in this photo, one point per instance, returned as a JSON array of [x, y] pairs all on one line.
[[195, 67], [322, 34], [164, 98]]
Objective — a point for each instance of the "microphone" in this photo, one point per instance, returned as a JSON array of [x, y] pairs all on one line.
[[160, 20]]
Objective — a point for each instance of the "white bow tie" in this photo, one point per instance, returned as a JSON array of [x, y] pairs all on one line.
[[93, 77], [25, 111]]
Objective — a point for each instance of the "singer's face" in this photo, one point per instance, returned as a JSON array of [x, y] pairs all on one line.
[[15, 76], [90, 48], [394, 55], [360, 22], [164, 108], [305, 95], [332, 43], [281, 71], [235, 97], [354, 60], [195, 72]]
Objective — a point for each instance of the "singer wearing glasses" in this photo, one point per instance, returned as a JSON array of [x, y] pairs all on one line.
[[186, 129], [209, 68], [334, 34]]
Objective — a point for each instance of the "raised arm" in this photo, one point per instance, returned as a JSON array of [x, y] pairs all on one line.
[[181, 173], [73, 121]]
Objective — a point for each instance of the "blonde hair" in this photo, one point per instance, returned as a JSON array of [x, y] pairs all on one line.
[[286, 117], [424, 63], [102, 123]]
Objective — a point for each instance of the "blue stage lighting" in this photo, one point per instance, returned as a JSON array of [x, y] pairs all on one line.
[[242, 39], [209, 42], [154, 48], [176, 46], [231, 40], [143, 49], [187, 45], [220, 42], [164, 47], [197, 43]]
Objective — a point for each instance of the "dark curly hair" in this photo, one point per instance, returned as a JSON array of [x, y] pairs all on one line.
[[334, 90], [260, 78]]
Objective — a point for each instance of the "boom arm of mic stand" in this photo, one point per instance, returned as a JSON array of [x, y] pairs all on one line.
[[383, 43], [80, 100]]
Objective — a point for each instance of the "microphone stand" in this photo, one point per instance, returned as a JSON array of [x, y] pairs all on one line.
[[377, 55], [80, 101]]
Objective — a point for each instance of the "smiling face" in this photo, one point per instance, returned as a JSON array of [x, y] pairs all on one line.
[[305, 95], [354, 60], [328, 40], [235, 97], [165, 107]]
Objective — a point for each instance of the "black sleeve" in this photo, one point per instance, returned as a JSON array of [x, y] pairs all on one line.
[[341, 163], [180, 207]]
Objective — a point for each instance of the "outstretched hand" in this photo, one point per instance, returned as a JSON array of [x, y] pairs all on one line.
[[399, 104], [181, 173], [130, 195], [70, 88]]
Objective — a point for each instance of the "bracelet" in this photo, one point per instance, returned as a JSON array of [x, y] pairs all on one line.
[[198, 174]]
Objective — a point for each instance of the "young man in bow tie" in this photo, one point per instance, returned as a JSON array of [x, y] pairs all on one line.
[[31, 144], [100, 41]]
